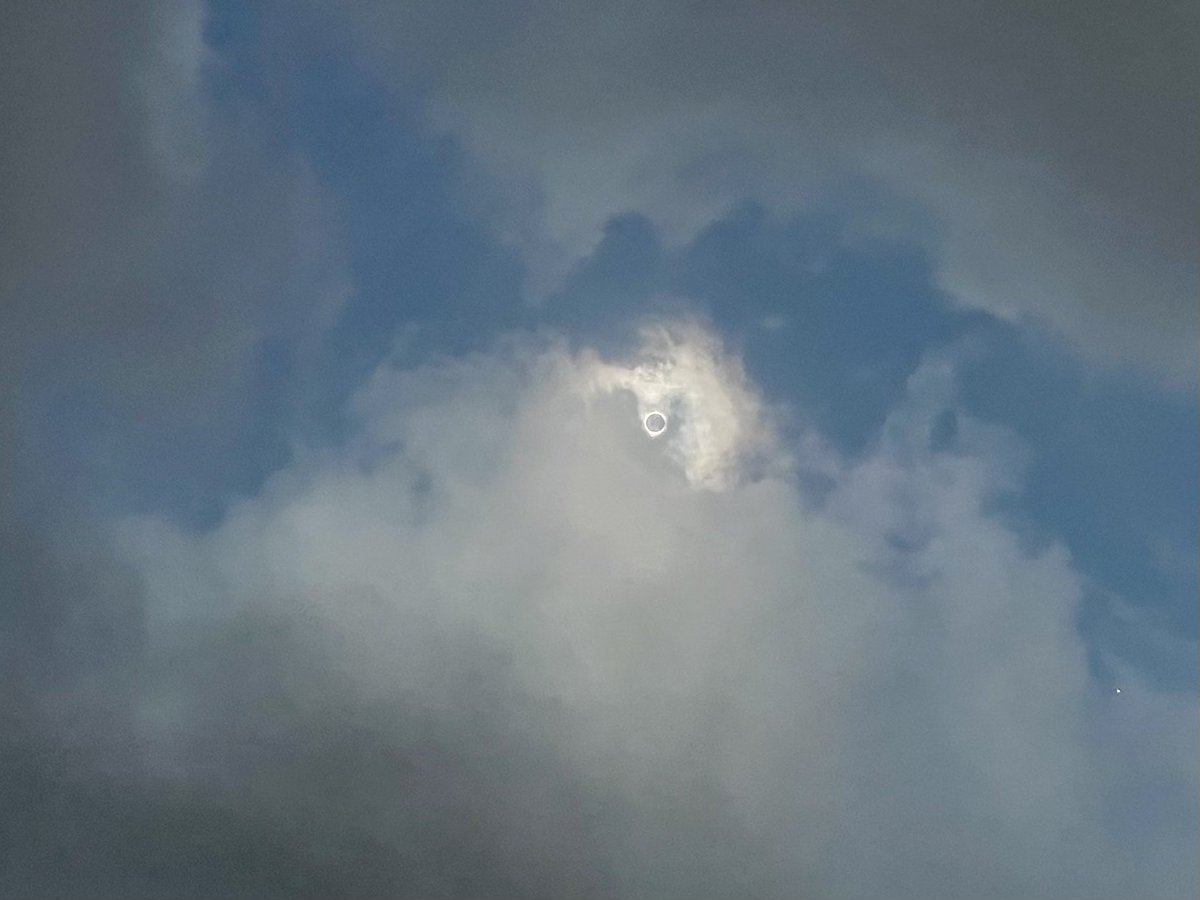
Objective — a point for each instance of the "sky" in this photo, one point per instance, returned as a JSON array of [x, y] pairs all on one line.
[[340, 555]]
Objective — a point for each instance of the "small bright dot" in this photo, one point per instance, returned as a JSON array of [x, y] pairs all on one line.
[[1118, 690]]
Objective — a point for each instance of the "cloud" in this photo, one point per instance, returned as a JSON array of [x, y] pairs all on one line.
[[835, 327], [498, 642], [1043, 159], [155, 247], [503, 615], [684, 374]]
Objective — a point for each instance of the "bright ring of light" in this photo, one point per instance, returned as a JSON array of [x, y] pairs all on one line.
[[655, 423]]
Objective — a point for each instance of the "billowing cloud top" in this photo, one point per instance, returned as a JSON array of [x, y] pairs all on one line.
[[698, 661]]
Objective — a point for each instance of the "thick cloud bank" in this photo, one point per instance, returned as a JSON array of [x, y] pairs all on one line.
[[504, 644]]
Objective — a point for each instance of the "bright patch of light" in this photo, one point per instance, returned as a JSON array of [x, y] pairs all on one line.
[[655, 423], [682, 377]]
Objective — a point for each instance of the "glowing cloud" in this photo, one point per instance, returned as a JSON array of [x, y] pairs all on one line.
[[502, 557], [683, 375]]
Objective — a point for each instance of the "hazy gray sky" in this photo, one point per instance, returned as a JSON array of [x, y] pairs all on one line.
[[335, 560]]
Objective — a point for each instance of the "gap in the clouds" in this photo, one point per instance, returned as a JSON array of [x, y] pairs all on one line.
[[418, 268], [1112, 475], [280, 90], [825, 324], [834, 326], [828, 322]]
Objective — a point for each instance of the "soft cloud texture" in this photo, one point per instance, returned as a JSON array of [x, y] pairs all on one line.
[[1043, 156], [154, 246], [278, 619], [685, 692]]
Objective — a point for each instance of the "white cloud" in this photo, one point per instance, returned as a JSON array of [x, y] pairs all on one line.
[[882, 696]]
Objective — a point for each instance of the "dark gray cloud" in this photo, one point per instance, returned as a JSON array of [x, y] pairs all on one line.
[[145, 249], [1052, 149], [155, 247]]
